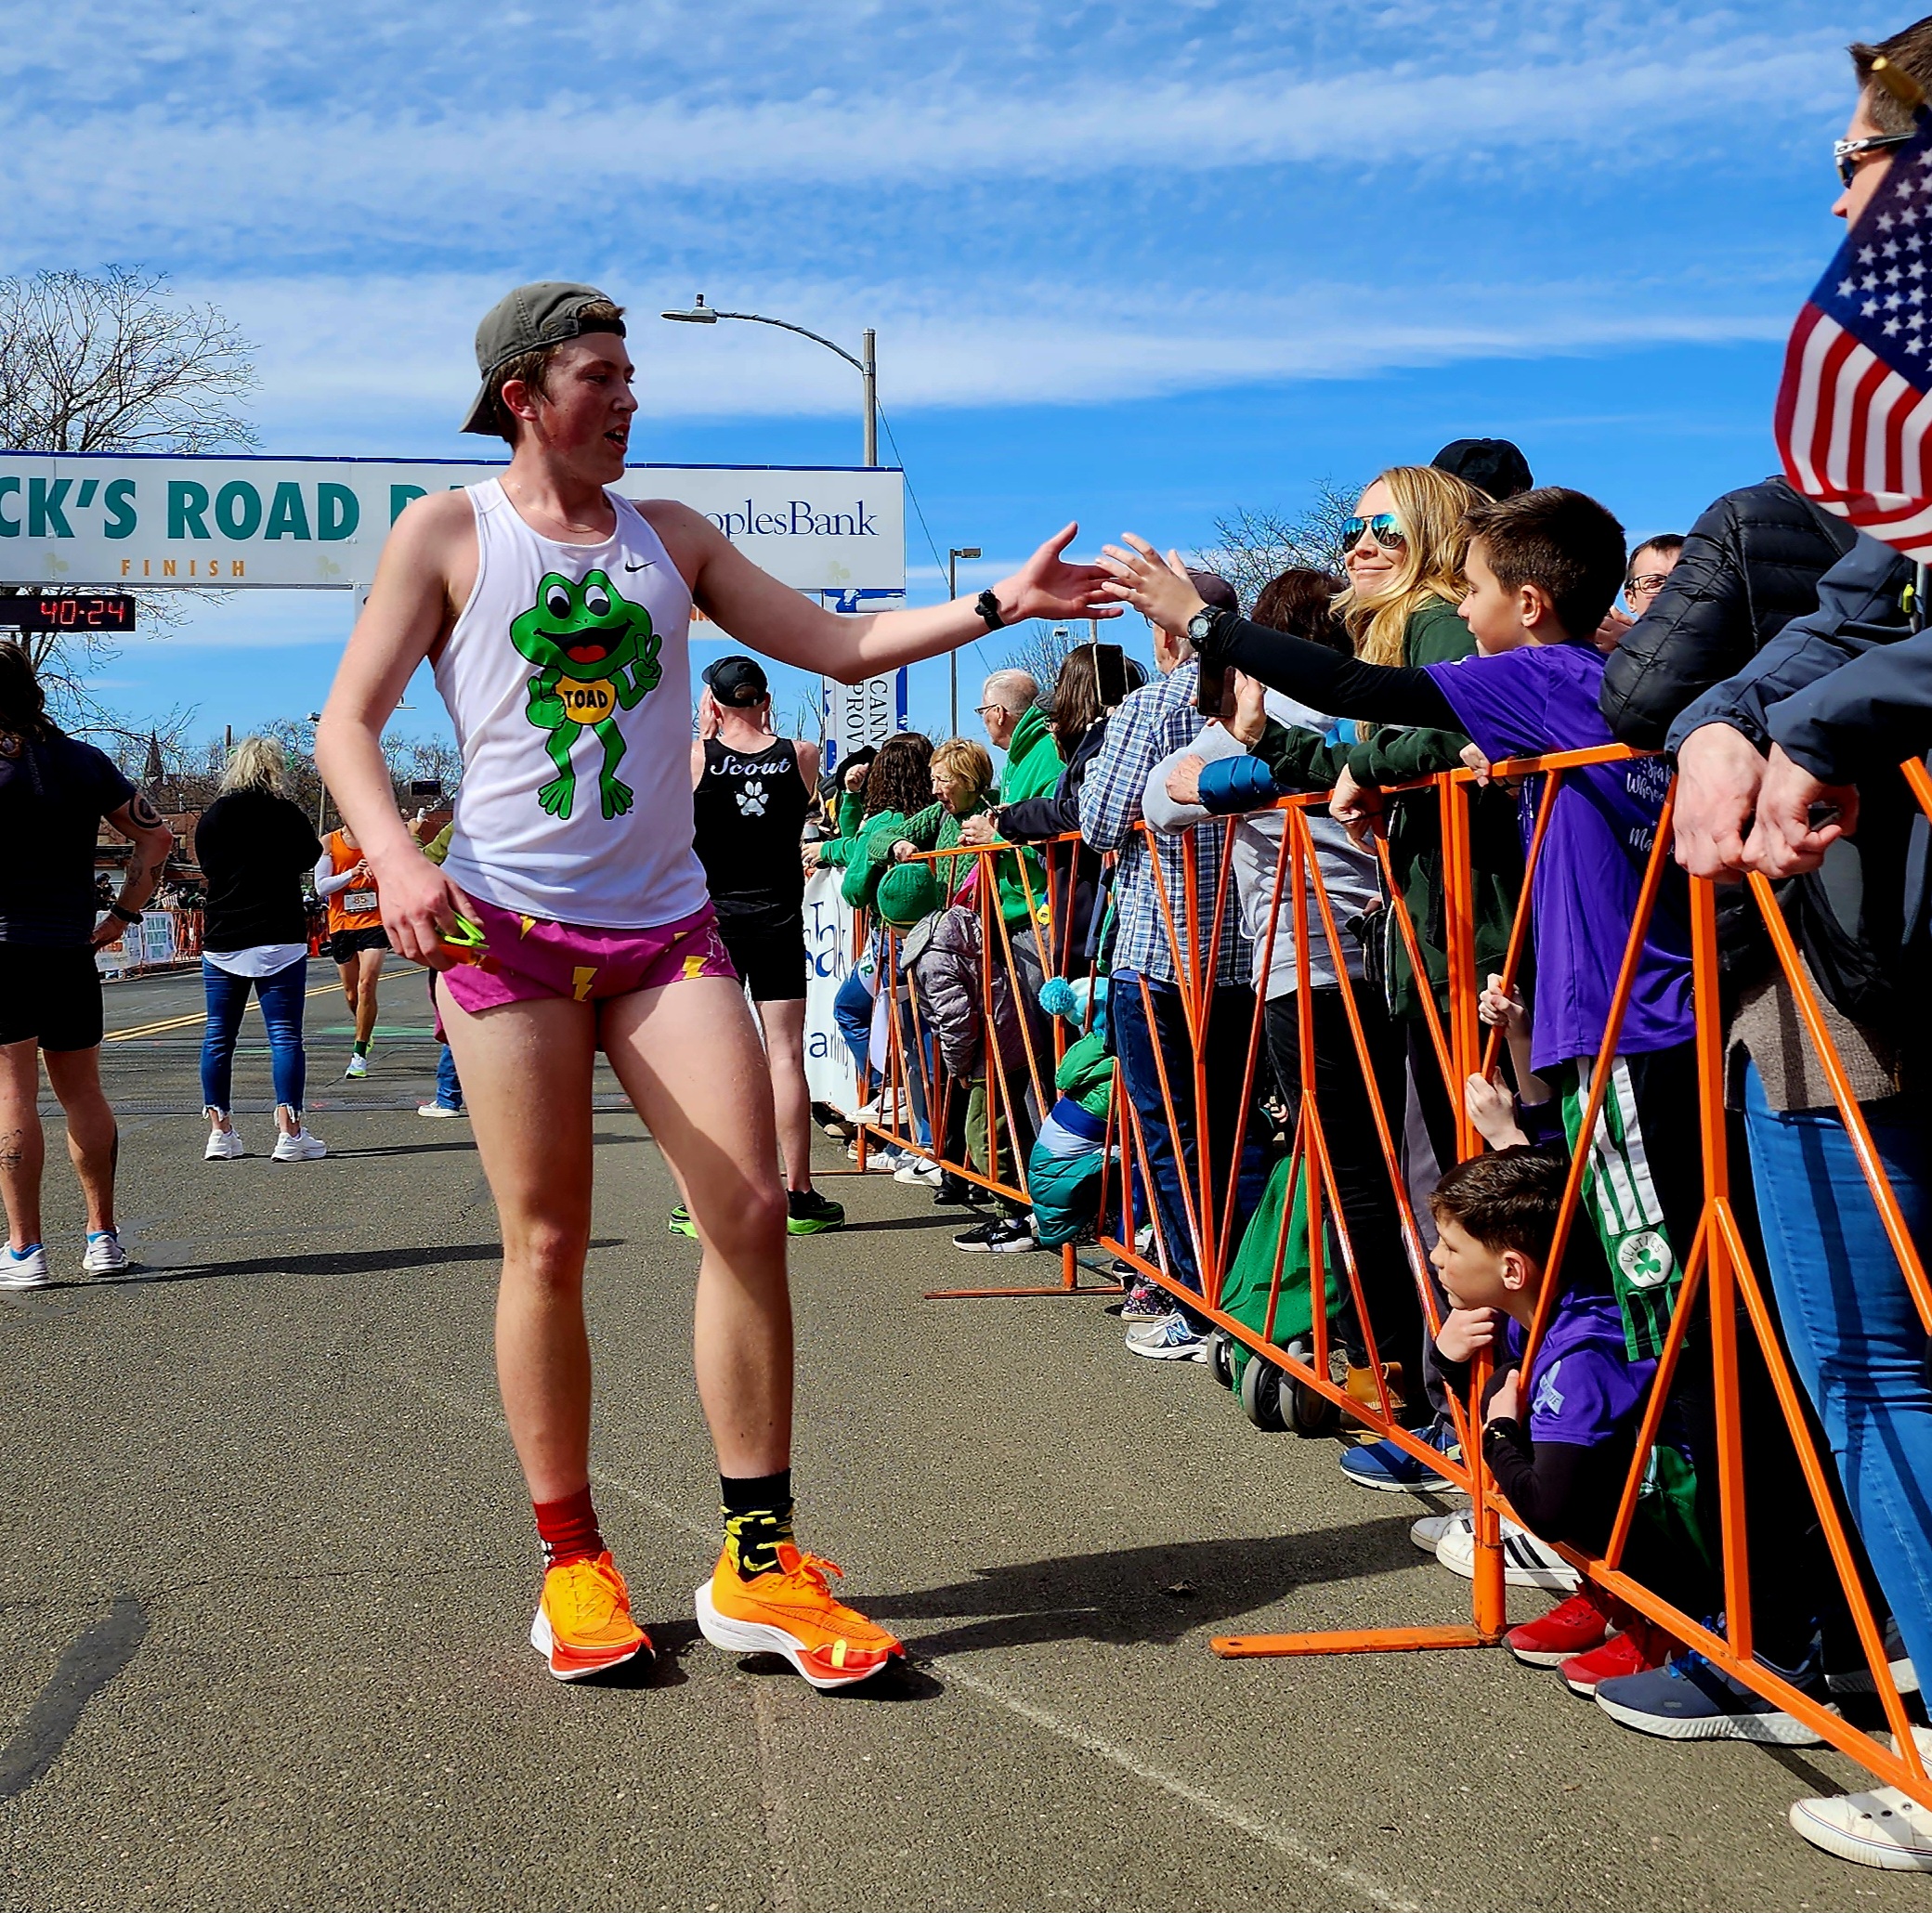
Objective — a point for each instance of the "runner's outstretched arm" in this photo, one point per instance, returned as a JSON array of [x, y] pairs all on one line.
[[408, 610], [771, 617]]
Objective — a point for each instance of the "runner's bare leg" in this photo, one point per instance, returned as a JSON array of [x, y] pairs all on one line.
[[368, 965], [526, 1071], [93, 1135], [690, 1060], [22, 1144], [791, 1100]]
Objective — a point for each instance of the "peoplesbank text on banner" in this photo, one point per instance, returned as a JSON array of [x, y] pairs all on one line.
[[127, 521]]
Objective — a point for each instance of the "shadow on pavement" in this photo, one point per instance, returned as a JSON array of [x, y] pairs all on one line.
[[361, 1262], [1150, 1596]]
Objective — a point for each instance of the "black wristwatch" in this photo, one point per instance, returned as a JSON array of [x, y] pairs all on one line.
[[123, 913], [988, 606], [1204, 628]]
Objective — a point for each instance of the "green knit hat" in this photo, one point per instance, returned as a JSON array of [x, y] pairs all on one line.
[[906, 892]]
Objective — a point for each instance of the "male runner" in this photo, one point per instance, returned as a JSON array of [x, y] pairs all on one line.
[[750, 790], [555, 614], [357, 940]]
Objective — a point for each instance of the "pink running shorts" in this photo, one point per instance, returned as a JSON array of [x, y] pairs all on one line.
[[530, 957]]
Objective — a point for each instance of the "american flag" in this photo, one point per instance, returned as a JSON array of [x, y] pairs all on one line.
[[1855, 407]]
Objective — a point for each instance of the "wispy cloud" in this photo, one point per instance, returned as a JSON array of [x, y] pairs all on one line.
[[323, 182]]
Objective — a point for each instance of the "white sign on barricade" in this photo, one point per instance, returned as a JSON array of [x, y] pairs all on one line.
[[154, 940], [829, 1071], [124, 520]]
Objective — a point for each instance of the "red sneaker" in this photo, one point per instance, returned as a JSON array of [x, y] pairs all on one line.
[[1572, 1627], [1636, 1650]]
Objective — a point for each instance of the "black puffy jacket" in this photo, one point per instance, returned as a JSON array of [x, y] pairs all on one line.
[[1749, 565]]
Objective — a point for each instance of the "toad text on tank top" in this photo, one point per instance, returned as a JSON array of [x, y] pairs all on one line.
[[567, 678]]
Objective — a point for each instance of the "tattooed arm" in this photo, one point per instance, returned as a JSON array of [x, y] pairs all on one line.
[[140, 824]]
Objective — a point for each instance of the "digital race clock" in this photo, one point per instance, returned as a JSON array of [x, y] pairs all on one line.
[[76, 611]]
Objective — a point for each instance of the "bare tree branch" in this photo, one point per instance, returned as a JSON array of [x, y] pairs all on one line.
[[113, 362], [1255, 545]]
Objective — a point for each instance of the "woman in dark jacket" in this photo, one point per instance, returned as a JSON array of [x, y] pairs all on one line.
[[254, 843], [1749, 565]]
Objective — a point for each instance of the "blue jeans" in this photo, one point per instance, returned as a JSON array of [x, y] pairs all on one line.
[[449, 1091], [851, 1010], [281, 997], [1171, 1154], [1855, 1335]]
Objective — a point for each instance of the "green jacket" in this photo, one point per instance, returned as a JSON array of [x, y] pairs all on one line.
[[1435, 634], [836, 852], [934, 828], [1034, 767]]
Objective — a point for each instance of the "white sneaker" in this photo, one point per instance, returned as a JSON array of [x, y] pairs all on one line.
[[1428, 1532], [914, 1170], [23, 1269], [886, 1162], [105, 1255], [439, 1109], [1526, 1562], [224, 1146], [1883, 1827], [299, 1148], [358, 1066]]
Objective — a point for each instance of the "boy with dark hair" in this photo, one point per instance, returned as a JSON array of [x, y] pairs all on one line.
[[1543, 569], [1560, 1440]]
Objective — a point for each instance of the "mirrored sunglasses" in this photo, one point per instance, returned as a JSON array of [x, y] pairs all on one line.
[[1384, 528]]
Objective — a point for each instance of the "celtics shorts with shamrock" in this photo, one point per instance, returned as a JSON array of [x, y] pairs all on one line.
[[1643, 1187]]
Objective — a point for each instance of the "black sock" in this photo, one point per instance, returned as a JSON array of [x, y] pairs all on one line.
[[758, 1515]]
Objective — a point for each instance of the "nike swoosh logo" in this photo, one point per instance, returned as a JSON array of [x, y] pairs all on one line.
[[644, 564]]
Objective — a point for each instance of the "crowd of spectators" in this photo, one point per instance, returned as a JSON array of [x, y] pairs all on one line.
[[1771, 658]]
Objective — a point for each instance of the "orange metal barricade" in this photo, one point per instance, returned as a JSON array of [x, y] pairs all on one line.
[[914, 1084], [1717, 1266]]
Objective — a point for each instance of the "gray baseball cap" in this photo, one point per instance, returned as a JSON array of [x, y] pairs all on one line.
[[545, 313]]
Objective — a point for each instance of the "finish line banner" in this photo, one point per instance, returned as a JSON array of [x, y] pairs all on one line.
[[130, 521]]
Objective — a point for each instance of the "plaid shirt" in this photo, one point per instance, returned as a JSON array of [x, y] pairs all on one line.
[[1156, 720]]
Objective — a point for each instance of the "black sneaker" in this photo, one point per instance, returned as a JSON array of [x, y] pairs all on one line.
[[808, 1213], [1004, 1235], [954, 1195]]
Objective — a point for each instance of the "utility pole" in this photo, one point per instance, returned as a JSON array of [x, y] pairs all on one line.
[[869, 371], [953, 556]]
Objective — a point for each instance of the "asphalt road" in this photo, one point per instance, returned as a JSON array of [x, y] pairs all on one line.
[[269, 1570]]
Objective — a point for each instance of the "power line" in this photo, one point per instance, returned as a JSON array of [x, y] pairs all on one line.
[[931, 543]]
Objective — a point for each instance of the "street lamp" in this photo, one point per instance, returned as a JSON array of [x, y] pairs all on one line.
[[952, 590], [866, 368]]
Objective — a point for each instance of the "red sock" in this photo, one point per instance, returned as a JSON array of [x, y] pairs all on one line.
[[568, 1529]]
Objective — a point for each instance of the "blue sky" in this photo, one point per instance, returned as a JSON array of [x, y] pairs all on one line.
[[1130, 264]]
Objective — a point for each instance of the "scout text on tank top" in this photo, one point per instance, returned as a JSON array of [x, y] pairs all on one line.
[[567, 678], [750, 810], [356, 906]]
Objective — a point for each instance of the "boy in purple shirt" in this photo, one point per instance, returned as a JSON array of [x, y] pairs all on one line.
[[1543, 569]]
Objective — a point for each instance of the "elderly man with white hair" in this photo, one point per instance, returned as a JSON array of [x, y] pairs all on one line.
[[1008, 707]]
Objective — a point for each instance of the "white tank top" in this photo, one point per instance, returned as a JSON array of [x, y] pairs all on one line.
[[569, 680]]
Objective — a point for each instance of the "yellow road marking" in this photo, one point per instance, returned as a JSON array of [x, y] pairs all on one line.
[[181, 1023]]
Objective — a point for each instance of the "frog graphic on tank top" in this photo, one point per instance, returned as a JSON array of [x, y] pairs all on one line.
[[595, 654]]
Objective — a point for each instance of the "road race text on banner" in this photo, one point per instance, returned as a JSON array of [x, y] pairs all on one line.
[[126, 521]]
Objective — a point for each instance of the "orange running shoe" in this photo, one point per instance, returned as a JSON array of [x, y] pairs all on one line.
[[584, 1618], [791, 1610]]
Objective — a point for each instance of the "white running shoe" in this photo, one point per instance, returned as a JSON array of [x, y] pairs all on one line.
[[1526, 1562], [358, 1066], [224, 1146], [439, 1109], [105, 1255], [299, 1148], [23, 1269], [914, 1170]]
